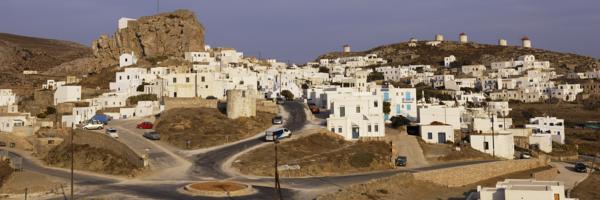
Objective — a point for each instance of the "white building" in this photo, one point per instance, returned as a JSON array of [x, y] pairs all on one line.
[[566, 92], [473, 70], [499, 144], [548, 126], [403, 101], [451, 115], [123, 22], [449, 60], [9, 122], [437, 133], [67, 93], [127, 59], [357, 115], [7, 97], [521, 189]]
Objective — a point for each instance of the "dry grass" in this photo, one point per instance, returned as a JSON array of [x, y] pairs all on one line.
[[218, 186], [88, 158], [405, 187], [318, 154], [573, 114], [5, 171], [207, 127], [589, 189], [436, 153]]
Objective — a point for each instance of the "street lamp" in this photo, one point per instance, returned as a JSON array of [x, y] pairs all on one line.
[[277, 183]]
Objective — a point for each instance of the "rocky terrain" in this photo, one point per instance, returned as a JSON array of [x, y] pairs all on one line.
[[89, 158], [472, 53], [162, 35]]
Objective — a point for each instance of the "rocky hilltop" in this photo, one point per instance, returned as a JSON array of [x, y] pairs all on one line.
[[472, 53], [162, 35], [18, 53]]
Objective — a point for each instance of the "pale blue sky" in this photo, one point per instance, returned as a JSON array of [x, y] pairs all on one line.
[[300, 30]]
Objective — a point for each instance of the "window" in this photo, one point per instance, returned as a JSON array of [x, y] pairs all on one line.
[[429, 135], [174, 80], [375, 103], [339, 129], [333, 130], [486, 146], [203, 79], [369, 128], [376, 128], [357, 109], [342, 111], [187, 79]]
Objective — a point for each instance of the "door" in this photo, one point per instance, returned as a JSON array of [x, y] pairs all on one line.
[[441, 137], [355, 133]]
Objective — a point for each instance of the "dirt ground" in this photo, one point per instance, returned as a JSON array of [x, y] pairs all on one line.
[[5, 172], [318, 154], [34, 182], [207, 127], [589, 189], [438, 153], [92, 159], [405, 187]]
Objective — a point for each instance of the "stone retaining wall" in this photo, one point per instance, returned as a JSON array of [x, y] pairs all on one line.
[[267, 106], [546, 175], [461, 176], [193, 102]]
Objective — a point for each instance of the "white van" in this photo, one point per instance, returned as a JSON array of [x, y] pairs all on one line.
[[278, 134]]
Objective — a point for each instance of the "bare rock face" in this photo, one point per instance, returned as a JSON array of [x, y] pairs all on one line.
[[165, 34]]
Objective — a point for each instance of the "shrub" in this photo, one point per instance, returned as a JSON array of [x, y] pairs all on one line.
[[398, 121], [361, 159], [50, 110], [142, 97], [211, 97], [374, 76], [140, 88], [323, 70], [386, 107], [287, 94], [41, 115]]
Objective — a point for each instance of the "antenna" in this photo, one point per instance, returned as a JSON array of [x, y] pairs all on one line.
[[157, 6]]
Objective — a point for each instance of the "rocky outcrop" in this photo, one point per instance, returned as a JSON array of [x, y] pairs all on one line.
[[165, 34]]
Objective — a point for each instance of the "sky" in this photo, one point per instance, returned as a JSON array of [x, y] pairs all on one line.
[[298, 31]]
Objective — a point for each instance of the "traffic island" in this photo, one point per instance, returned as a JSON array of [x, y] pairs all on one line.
[[218, 189]]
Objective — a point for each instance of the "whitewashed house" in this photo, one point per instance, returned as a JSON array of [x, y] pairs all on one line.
[[566, 92], [498, 144], [403, 101], [436, 133], [548, 126], [519, 189], [449, 60], [7, 97], [67, 93], [127, 59], [357, 115], [451, 115], [473, 70]]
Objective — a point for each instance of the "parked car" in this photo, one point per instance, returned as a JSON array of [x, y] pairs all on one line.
[[93, 126], [277, 134], [152, 135], [401, 161], [314, 108], [277, 120], [280, 100], [145, 125], [580, 167], [112, 132]]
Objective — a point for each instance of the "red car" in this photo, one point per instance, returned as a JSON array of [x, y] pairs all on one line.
[[145, 125]]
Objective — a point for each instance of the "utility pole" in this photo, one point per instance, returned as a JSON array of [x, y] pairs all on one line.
[[493, 138], [277, 184], [157, 6], [72, 161]]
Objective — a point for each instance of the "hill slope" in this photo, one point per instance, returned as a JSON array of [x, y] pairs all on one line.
[[472, 53]]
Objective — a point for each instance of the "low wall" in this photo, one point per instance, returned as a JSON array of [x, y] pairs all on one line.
[[545, 175], [464, 175], [267, 106], [171, 103], [103, 141]]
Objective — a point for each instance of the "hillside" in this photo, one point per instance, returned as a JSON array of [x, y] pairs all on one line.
[[472, 53]]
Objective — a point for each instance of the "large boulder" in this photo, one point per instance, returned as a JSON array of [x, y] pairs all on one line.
[[162, 35]]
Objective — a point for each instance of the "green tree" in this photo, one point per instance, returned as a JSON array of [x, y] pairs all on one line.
[[386, 107], [399, 120], [132, 100], [374, 76], [287, 94], [50, 110]]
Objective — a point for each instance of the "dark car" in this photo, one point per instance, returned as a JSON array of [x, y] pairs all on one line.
[[580, 167], [401, 161], [277, 120], [145, 125], [152, 135]]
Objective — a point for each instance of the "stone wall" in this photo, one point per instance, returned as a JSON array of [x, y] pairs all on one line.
[[103, 141], [241, 103], [461, 176], [193, 102], [267, 106]]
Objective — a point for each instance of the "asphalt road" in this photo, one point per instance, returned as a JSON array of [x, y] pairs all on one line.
[[208, 165]]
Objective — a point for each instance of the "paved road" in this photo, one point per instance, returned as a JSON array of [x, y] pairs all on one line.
[[209, 164]]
